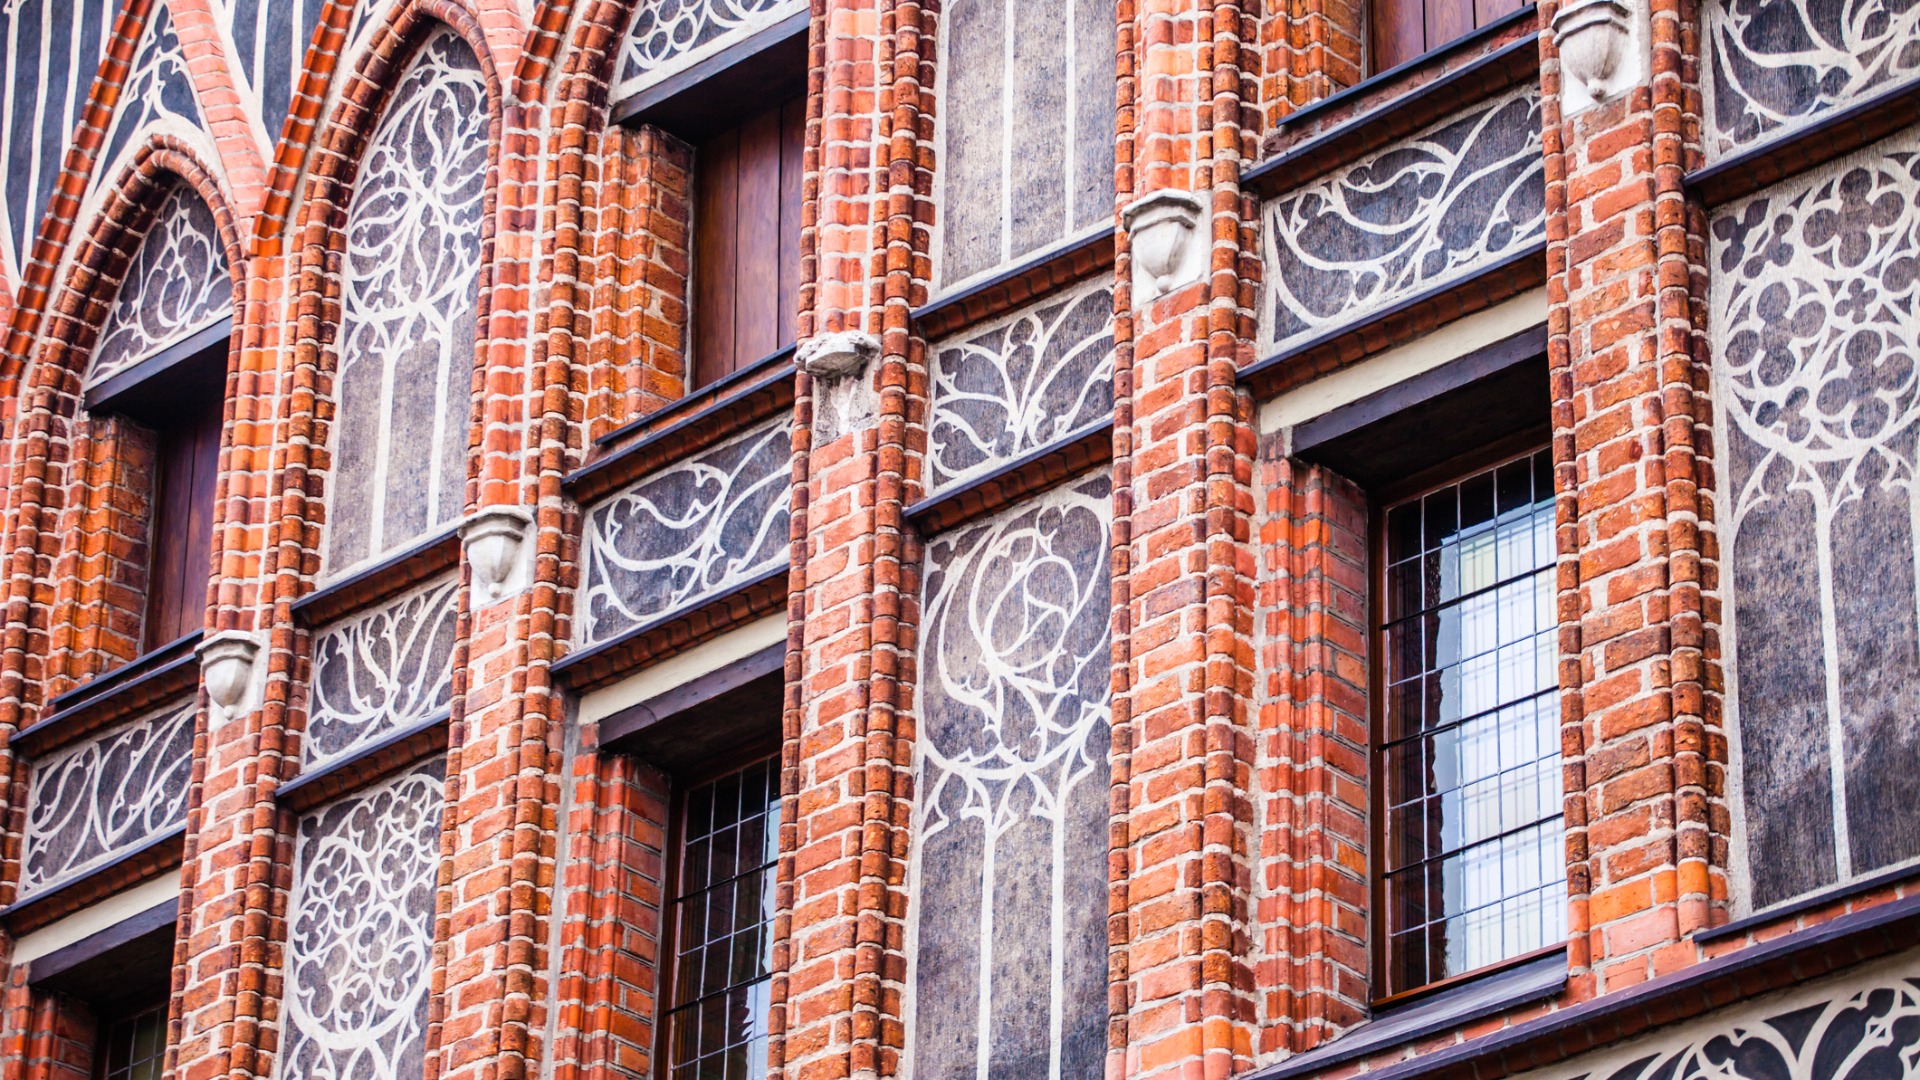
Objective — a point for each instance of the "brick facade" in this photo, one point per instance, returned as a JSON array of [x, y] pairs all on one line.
[[1244, 773]]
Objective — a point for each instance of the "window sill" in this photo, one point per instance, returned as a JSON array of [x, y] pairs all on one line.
[[981, 299], [144, 681], [748, 396], [1444, 1010], [1791, 910], [1316, 139]]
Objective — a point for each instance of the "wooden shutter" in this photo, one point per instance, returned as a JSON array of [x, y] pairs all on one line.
[[746, 255], [182, 525], [1402, 30]]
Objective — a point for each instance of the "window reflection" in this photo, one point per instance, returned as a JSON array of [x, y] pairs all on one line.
[[723, 927], [1474, 858]]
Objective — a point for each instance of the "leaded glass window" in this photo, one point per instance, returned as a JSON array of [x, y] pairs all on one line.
[[722, 920], [1474, 868], [133, 1045]]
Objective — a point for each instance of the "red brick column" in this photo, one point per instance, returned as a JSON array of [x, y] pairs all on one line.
[[1314, 732], [1645, 814], [1185, 846], [43, 1036], [839, 959]]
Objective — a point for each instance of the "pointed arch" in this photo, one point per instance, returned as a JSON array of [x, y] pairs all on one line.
[[369, 208]]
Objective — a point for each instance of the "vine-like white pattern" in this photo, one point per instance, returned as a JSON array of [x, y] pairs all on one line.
[[106, 795], [685, 534], [178, 284], [381, 671], [1020, 384], [360, 932], [1850, 1029], [670, 35], [1013, 787], [1436, 207], [1778, 63], [1815, 308], [158, 88], [407, 336]]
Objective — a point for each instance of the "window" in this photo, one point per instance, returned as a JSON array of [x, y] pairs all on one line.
[[1401, 30], [187, 454], [132, 1044], [722, 920], [746, 226], [1468, 759]]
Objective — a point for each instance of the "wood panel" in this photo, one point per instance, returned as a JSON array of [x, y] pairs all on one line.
[[1403, 30], [181, 528], [746, 256]]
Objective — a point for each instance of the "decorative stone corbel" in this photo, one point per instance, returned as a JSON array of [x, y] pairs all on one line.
[[1603, 51], [495, 539], [229, 663], [1163, 227], [841, 364]]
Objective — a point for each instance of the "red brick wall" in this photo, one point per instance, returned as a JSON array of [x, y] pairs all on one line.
[[1239, 906], [1312, 782]]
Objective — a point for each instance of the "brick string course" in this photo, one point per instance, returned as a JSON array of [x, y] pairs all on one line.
[[1238, 907]]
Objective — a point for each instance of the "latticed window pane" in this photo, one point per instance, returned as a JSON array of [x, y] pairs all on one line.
[[134, 1045], [1471, 763], [723, 926]]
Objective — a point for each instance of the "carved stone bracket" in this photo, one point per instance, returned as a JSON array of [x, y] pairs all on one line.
[[495, 538], [1167, 245], [1603, 46], [841, 364], [229, 669]]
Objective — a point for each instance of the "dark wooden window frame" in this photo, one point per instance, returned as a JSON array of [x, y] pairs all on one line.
[[709, 755], [1343, 435], [121, 972], [679, 784], [1442, 475]]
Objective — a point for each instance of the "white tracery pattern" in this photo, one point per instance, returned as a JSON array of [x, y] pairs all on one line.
[[381, 671], [177, 285], [407, 336], [1013, 783], [158, 89], [1436, 207], [49, 55], [1780, 63], [1869, 1030], [105, 796], [1020, 384], [671, 35], [360, 932], [685, 534], [1815, 308]]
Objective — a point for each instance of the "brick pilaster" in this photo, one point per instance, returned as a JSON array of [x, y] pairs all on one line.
[[1645, 840], [1186, 846], [1313, 901]]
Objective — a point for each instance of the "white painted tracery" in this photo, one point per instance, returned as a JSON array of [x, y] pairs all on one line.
[[1019, 384], [1013, 768], [178, 284], [686, 533], [106, 795], [409, 304], [360, 932]]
